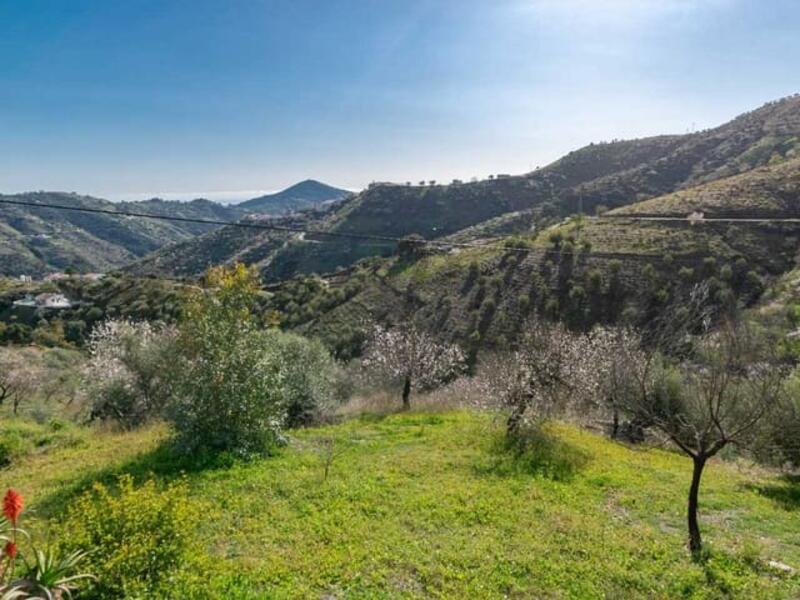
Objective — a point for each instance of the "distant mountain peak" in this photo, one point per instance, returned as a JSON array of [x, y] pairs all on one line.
[[304, 194]]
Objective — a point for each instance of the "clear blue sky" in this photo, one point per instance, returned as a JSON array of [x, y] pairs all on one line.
[[135, 98]]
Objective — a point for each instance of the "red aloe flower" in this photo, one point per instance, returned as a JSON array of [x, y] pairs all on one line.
[[12, 505], [10, 550]]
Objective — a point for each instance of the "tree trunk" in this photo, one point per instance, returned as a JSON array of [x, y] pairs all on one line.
[[407, 394], [514, 421], [695, 542], [615, 424]]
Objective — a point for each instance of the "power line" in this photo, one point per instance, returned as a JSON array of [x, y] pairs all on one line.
[[340, 235]]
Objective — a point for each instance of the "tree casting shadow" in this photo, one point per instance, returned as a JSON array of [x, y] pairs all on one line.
[[164, 463], [786, 493]]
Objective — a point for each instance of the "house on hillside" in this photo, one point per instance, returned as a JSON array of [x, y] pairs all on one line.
[[52, 301]]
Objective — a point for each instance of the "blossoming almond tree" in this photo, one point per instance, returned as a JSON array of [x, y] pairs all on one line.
[[18, 378], [406, 354], [124, 376], [551, 369]]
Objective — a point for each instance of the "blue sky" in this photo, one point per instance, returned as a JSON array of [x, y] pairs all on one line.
[[225, 98]]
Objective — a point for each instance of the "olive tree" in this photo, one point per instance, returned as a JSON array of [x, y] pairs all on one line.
[[229, 384], [411, 357], [311, 378]]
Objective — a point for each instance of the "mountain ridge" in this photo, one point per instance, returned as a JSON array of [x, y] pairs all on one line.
[[611, 175], [35, 241]]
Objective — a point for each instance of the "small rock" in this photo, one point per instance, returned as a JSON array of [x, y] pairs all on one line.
[[779, 566]]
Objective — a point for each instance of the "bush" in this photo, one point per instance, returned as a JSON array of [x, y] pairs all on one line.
[[12, 445], [140, 538], [17, 333], [310, 378], [74, 331], [229, 377]]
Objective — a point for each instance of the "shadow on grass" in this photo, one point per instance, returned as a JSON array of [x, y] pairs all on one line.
[[731, 573], [785, 492], [164, 463], [533, 452]]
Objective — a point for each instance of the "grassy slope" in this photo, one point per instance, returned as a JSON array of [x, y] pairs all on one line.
[[771, 191], [420, 505]]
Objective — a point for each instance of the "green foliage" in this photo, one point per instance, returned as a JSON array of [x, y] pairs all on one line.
[[74, 331], [52, 573], [229, 376], [584, 517], [140, 538], [21, 437], [16, 333], [533, 450], [310, 378]]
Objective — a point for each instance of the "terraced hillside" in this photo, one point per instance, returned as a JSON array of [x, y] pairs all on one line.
[[613, 174], [764, 192], [583, 270]]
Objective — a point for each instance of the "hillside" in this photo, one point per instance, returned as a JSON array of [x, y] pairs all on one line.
[[428, 505], [765, 192], [612, 174], [582, 270], [35, 241], [300, 196]]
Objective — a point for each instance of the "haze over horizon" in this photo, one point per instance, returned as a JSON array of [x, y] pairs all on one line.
[[233, 100]]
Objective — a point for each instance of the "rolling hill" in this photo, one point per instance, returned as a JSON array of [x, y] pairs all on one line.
[[35, 241]]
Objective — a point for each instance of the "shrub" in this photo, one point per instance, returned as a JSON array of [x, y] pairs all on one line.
[[229, 378], [310, 378], [12, 445], [74, 331], [140, 537], [17, 333]]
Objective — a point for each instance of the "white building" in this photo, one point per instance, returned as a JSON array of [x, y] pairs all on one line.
[[52, 301]]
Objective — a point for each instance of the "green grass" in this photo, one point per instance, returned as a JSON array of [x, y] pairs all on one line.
[[430, 505]]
